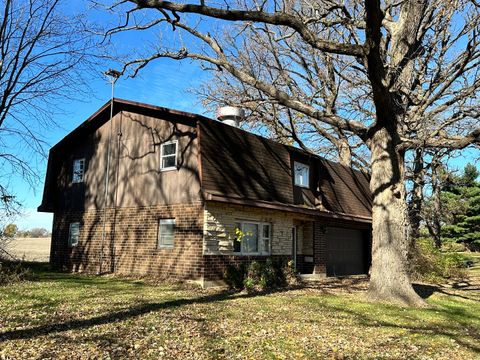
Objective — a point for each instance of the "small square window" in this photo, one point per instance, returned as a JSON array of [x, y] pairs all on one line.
[[73, 234], [166, 233], [302, 174], [78, 170], [168, 155]]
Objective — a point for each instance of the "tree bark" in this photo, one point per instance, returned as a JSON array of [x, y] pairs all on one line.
[[415, 205], [390, 225], [434, 226], [418, 180]]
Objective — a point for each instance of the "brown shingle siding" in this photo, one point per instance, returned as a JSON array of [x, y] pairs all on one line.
[[233, 163]]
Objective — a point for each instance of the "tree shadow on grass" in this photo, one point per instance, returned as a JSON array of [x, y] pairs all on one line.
[[117, 316], [457, 322], [337, 285], [427, 290], [447, 320]]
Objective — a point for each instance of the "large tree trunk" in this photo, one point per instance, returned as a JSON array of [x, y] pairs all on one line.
[[389, 279]]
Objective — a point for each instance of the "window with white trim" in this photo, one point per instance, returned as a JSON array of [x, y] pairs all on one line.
[[78, 170], [168, 155], [252, 238], [166, 233], [302, 174], [73, 234]]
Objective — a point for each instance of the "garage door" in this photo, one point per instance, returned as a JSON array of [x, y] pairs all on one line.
[[346, 252]]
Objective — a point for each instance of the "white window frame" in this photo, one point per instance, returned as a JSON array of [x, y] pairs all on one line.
[[305, 167], [162, 156], [160, 244], [81, 176], [70, 234], [261, 239]]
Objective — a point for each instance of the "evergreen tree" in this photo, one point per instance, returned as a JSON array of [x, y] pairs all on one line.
[[461, 198]]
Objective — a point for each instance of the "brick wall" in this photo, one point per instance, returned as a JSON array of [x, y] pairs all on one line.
[[219, 234], [130, 245], [319, 248]]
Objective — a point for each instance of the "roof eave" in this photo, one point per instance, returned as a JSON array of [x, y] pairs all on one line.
[[286, 207]]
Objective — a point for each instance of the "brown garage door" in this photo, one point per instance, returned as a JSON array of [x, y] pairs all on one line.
[[346, 252]]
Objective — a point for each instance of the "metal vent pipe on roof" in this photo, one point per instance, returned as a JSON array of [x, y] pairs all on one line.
[[230, 115]]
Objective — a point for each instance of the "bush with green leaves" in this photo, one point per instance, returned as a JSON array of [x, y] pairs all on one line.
[[430, 264], [453, 247], [261, 276], [234, 276]]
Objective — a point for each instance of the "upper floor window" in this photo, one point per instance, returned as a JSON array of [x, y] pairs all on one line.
[[166, 233], [252, 238], [168, 155], [302, 174], [74, 233], [78, 170]]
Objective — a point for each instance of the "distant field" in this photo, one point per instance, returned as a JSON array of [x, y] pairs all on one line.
[[30, 249]]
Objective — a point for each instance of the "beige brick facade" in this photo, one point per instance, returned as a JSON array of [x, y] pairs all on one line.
[[220, 220]]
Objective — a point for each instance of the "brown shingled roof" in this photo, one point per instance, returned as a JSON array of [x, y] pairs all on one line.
[[240, 165]]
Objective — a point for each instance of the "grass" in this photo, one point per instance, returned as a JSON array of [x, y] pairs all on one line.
[[475, 269], [60, 315]]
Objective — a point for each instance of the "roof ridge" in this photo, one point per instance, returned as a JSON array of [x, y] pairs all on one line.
[[193, 116]]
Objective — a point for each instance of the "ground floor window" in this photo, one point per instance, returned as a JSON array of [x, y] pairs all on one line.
[[73, 234], [252, 238], [166, 229]]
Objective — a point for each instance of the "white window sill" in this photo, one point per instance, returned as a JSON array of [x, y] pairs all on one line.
[[251, 254], [169, 168]]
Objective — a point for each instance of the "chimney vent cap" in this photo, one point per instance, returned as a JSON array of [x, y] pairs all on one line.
[[230, 115]]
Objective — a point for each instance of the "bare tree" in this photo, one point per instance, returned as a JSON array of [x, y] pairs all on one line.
[[45, 56], [302, 73], [410, 69], [9, 208]]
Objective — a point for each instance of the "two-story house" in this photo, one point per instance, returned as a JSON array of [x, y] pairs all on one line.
[[159, 191]]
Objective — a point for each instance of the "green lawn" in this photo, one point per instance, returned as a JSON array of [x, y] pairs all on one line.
[[70, 316]]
